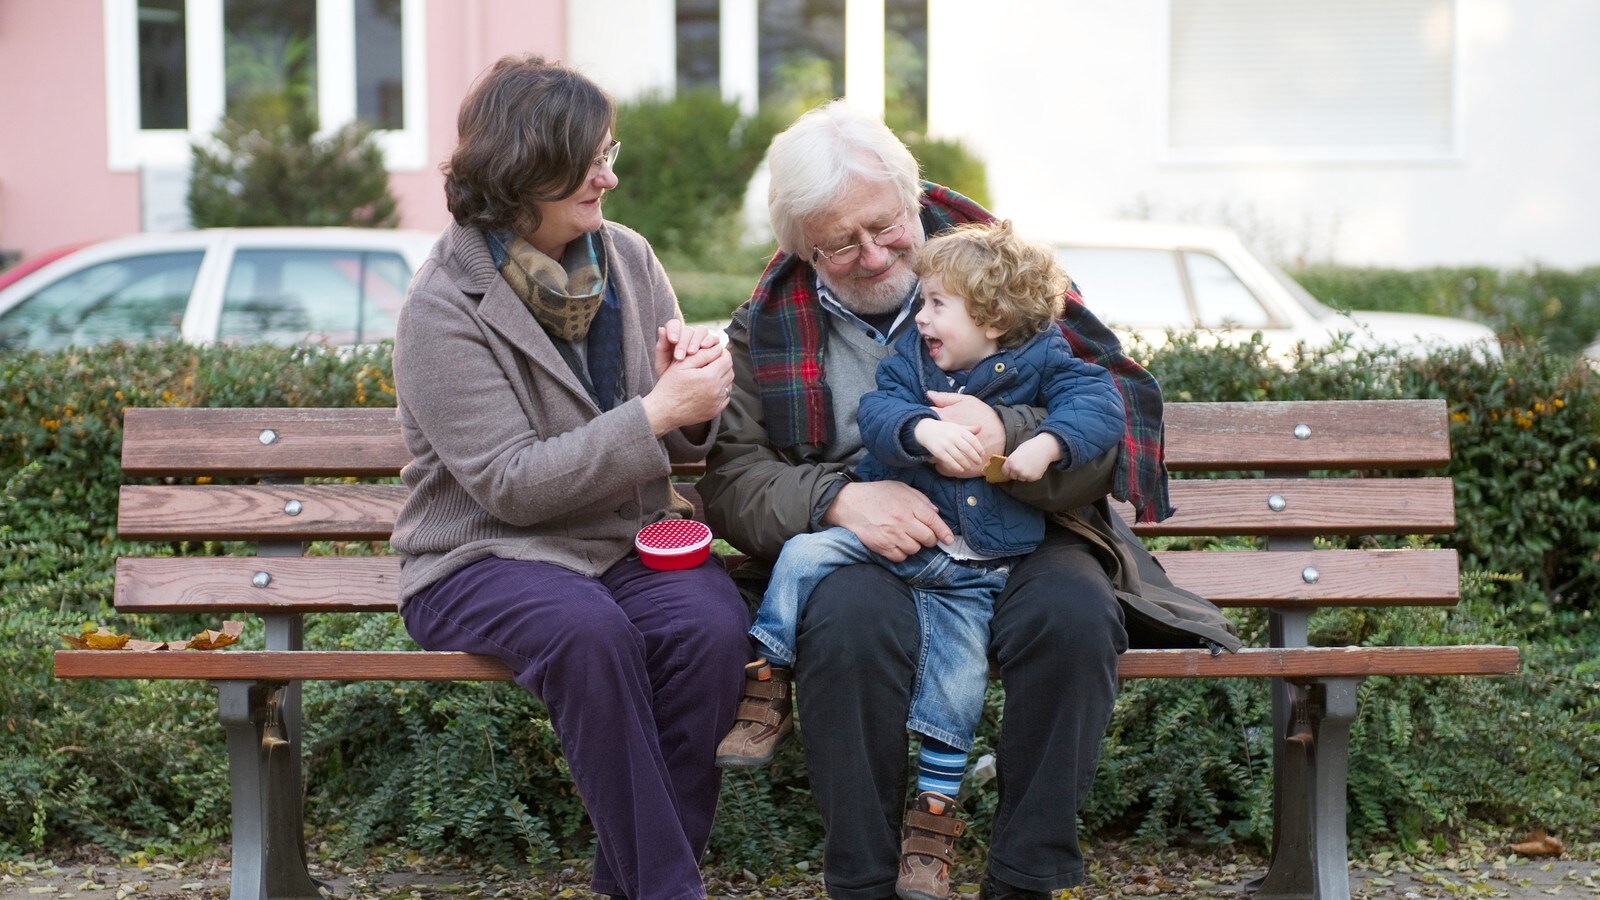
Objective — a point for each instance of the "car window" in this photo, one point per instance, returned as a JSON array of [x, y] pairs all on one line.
[[1131, 287], [135, 298], [289, 296], [1220, 298]]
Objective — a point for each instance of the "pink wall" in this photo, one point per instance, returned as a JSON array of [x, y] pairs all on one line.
[[54, 185], [464, 38]]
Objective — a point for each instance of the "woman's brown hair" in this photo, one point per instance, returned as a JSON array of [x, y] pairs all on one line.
[[527, 133]]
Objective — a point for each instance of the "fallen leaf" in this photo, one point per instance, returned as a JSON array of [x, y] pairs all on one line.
[[98, 639], [1540, 843], [216, 640]]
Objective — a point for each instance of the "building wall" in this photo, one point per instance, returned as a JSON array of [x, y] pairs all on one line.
[[1068, 113], [465, 37], [1065, 101], [55, 184], [55, 187]]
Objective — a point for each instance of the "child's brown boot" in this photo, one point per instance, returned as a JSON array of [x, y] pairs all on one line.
[[765, 718], [928, 847]]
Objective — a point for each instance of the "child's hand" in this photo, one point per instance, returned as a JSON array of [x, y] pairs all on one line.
[[1031, 458], [953, 445]]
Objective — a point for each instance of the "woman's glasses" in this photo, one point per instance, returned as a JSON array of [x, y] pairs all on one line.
[[607, 158]]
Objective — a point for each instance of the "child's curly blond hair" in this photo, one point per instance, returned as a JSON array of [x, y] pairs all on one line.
[[1009, 283]]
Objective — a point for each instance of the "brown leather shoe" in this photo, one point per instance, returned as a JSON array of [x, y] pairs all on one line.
[[765, 718], [928, 847]]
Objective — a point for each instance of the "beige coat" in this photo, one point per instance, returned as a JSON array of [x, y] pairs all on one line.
[[510, 455]]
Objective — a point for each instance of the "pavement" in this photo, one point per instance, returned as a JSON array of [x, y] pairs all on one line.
[[1184, 876]]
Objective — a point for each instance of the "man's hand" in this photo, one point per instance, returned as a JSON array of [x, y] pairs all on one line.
[[892, 519], [1032, 457], [964, 409], [954, 447]]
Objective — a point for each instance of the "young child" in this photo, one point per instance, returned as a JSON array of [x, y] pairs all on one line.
[[990, 301]]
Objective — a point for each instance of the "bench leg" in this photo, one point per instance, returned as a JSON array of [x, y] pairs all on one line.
[[1310, 857], [264, 774]]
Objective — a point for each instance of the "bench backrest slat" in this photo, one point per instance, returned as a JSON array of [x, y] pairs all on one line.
[[1325, 506], [258, 512], [336, 448], [355, 583], [1382, 434]]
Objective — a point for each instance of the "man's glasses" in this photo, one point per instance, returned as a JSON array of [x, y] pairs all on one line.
[[844, 256], [607, 158]]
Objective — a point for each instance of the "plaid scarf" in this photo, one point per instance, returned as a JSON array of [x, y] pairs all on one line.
[[788, 343]]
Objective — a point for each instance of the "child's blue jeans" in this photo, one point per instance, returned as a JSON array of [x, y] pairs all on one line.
[[955, 600]]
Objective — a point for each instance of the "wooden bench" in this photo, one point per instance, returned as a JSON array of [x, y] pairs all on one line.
[[290, 455]]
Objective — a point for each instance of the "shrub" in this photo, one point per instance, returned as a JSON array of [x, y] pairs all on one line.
[[951, 164], [475, 768], [1562, 307], [681, 177], [273, 169]]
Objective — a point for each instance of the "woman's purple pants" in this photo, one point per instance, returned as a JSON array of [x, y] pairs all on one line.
[[640, 670]]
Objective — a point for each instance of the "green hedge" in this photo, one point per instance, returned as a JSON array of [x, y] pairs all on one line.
[[475, 769], [1560, 306]]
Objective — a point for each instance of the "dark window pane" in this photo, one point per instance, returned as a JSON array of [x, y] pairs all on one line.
[[801, 47], [271, 58], [380, 88], [137, 298], [905, 62], [699, 50], [163, 65]]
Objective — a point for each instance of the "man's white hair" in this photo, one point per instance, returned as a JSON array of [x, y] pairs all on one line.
[[816, 159]]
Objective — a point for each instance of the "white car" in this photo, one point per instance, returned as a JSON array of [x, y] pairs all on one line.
[[339, 286], [1147, 280]]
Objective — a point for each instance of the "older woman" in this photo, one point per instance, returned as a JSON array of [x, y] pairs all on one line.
[[545, 385]]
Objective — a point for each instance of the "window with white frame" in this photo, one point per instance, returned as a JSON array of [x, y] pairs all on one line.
[[174, 68], [1312, 79]]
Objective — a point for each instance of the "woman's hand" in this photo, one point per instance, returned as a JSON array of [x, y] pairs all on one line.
[[692, 389], [676, 341]]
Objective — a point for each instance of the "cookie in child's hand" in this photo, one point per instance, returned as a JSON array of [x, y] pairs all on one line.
[[992, 473]]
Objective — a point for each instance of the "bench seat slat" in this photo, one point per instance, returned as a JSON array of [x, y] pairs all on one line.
[[346, 665], [358, 583], [1344, 434]]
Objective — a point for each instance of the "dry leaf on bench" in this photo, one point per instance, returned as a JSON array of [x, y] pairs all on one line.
[[98, 639], [209, 639], [1539, 843], [214, 640]]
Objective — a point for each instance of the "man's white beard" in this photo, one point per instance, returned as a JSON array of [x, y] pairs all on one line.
[[872, 300]]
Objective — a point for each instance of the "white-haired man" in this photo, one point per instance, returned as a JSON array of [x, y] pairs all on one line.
[[848, 210]]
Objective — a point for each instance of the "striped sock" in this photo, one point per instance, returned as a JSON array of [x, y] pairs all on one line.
[[940, 767]]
